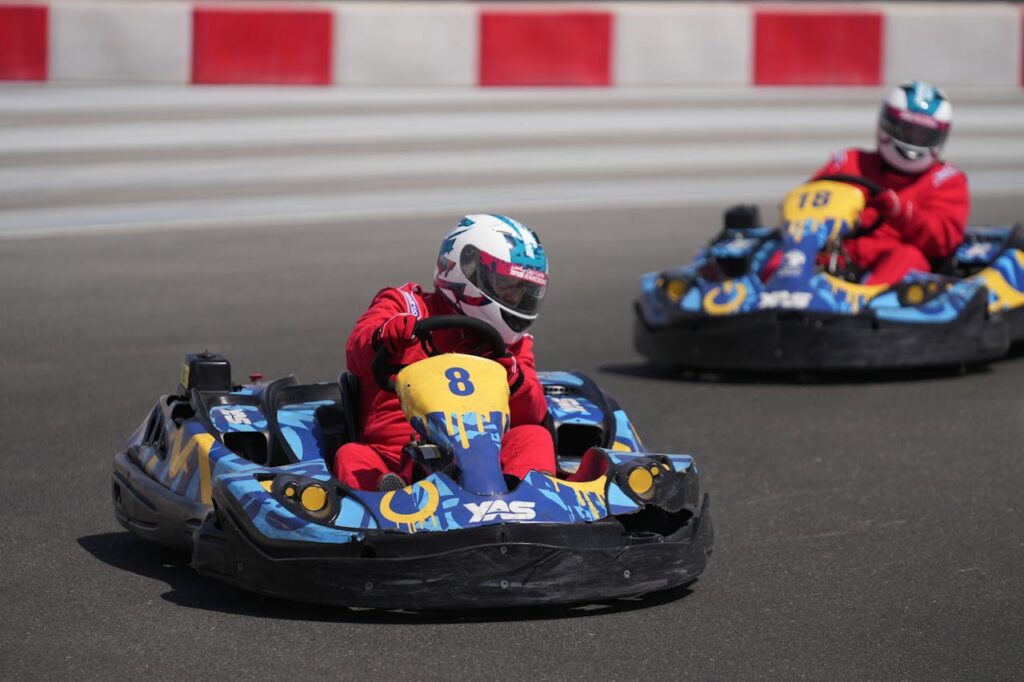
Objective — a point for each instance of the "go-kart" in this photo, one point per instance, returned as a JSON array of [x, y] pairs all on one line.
[[813, 313], [239, 475]]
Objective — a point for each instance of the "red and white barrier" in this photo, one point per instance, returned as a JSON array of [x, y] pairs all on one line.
[[120, 41], [668, 44], [467, 44], [404, 44], [976, 43]]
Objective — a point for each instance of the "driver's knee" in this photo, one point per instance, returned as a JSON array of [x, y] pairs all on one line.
[[358, 465], [894, 265], [527, 448]]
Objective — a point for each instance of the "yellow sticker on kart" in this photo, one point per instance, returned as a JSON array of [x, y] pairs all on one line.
[[818, 201], [453, 383]]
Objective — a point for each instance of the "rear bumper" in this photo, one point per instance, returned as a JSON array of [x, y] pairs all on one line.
[[492, 566]]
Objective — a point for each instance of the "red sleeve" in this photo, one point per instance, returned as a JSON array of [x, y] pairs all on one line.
[[937, 219], [359, 350], [527, 405]]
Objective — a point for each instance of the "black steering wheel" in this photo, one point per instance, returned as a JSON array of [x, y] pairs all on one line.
[[383, 369], [873, 191]]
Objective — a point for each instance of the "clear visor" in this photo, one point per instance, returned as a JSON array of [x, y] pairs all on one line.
[[516, 287], [916, 130]]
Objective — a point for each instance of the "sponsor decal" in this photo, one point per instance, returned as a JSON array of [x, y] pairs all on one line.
[[792, 264], [528, 274], [789, 300], [945, 173], [498, 509], [569, 405], [411, 304], [978, 250], [517, 270], [236, 417]]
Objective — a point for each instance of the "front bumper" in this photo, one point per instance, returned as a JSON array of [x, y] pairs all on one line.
[[773, 340], [492, 566]]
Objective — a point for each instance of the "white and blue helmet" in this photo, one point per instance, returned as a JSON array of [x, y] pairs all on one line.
[[493, 268], [913, 126]]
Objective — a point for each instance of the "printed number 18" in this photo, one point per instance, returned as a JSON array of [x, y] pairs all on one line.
[[819, 200]]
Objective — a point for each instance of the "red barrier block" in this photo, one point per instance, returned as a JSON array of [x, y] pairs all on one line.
[[23, 42], [267, 46], [794, 47], [545, 48]]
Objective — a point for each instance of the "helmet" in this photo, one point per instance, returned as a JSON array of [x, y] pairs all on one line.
[[912, 126], [493, 268]]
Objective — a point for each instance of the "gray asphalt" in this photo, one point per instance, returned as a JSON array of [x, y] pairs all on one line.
[[866, 529]]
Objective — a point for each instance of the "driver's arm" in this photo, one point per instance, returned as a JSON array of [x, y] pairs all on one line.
[[359, 350], [936, 219], [527, 405]]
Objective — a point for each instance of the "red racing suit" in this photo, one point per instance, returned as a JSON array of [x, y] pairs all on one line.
[[383, 429], [929, 227]]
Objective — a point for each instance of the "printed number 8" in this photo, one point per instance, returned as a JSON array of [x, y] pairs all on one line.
[[458, 381]]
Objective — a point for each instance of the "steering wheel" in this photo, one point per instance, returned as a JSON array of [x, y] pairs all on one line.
[[383, 369], [873, 191]]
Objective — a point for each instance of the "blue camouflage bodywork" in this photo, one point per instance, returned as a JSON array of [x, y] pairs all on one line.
[[197, 465], [797, 285]]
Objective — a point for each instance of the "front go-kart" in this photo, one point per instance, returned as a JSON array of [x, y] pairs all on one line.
[[239, 475], [720, 313]]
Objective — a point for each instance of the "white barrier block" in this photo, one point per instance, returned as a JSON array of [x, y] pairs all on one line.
[[406, 44], [121, 41], [683, 45], [976, 44]]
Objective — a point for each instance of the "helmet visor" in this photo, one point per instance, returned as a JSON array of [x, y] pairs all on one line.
[[916, 130], [516, 287]]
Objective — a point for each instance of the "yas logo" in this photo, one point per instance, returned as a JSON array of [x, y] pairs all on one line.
[[498, 509], [791, 300]]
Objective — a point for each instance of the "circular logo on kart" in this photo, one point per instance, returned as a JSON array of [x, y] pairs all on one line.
[[793, 262]]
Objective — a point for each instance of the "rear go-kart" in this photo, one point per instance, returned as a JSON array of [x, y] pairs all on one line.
[[239, 476], [813, 312]]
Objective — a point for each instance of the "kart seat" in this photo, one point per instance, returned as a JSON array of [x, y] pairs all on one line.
[[338, 421], [983, 246]]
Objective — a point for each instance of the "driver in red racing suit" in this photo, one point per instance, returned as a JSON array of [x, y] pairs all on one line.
[[923, 204], [492, 268]]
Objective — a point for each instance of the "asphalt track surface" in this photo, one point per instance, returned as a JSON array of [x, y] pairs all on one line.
[[866, 528]]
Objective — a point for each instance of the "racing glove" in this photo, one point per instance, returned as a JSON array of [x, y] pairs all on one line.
[[396, 334], [887, 204], [511, 365]]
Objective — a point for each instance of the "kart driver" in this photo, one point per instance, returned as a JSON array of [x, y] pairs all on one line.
[[924, 202], [491, 268]]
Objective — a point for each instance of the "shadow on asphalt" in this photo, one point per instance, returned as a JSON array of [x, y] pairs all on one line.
[[128, 553], [867, 376]]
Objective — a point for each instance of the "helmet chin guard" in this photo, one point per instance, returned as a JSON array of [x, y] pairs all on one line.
[[493, 268]]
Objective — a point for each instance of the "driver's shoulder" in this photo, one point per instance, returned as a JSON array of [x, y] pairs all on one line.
[[847, 160], [945, 173], [409, 297]]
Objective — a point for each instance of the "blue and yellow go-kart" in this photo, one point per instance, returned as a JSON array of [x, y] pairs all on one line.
[[239, 475], [716, 314]]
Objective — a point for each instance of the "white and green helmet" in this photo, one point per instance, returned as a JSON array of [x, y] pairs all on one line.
[[913, 126], [493, 268]]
